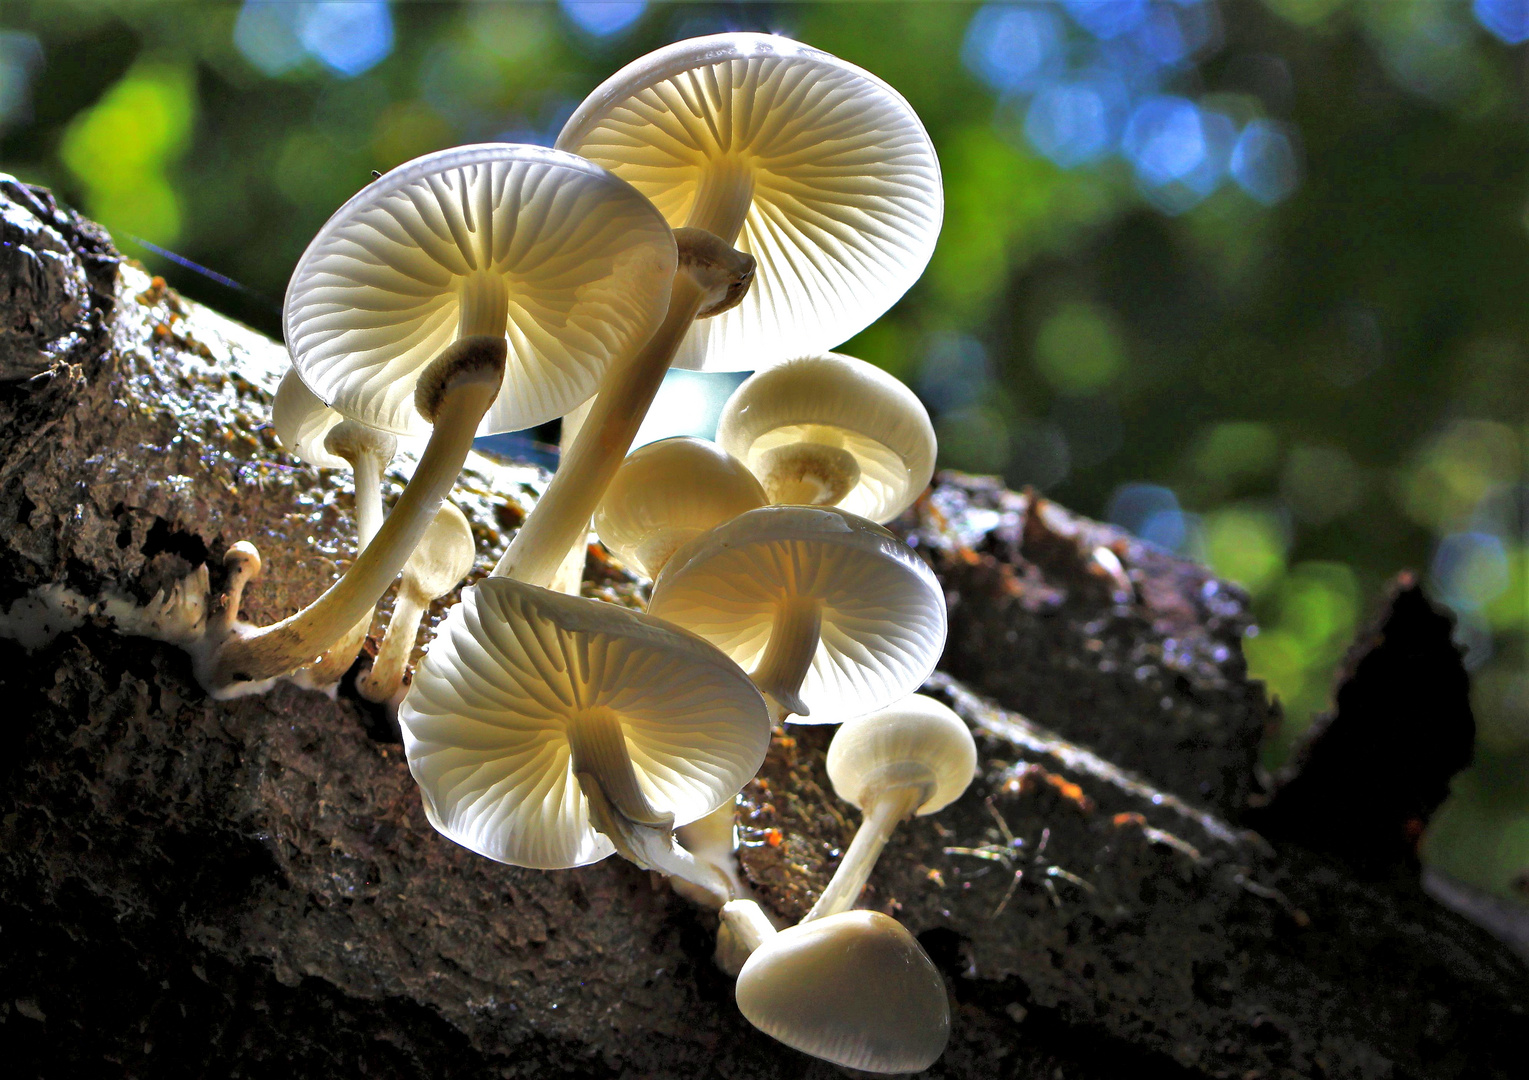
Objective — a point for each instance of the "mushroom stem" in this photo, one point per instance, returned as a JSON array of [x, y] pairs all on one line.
[[749, 926], [599, 750], [711, 278], [649, 847], [366, 469], [242, 562], [469, 373], [890, 807], [622, 401], [569, 576], [722, 199], [788, 654], [382, 681]]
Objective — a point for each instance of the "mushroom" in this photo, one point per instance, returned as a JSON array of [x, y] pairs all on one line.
[[712, 840], [855, 989], [323, 437], [666, 494], [547, 730], [444, 557], [830, 614], [915, 757], [456, 275], [818, 172], [831, 430]]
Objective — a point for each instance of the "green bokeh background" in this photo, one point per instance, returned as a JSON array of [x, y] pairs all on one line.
[[1331, 386]]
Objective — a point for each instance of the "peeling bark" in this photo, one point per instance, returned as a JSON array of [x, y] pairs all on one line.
[[250, 888]]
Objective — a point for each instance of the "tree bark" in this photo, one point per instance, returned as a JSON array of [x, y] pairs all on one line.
[[250, 888]]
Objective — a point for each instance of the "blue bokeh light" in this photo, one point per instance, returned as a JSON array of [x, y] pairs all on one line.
[[1106, 19], [1165, 139], [1470, 570], [1506, 20], [1264, 162], [1151, 512], [266, 33], [1014, 49], [955, 372], [348, 37], [1075, 123], [603, 18]]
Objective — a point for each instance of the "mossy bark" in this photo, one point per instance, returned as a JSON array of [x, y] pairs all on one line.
[[196, 888]]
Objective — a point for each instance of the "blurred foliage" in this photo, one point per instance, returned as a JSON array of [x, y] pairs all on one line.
[[1246, 278]]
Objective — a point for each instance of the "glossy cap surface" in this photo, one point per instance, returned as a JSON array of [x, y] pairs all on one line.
[[855, 989], [841, 402], [916, 736]]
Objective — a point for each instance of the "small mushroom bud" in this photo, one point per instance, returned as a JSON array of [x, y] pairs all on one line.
[[855, 989], [831, 430], [668, 493], [444, 557], [830, 614], [915, 757]]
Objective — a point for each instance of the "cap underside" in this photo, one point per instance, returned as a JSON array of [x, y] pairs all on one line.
[[485, 722], [883, 615], [579, 261], [846, 186]]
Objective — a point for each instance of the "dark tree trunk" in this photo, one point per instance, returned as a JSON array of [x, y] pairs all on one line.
[[195, 888]]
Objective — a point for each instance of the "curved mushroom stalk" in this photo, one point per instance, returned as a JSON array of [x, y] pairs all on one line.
[[368, 451], [713, 841], [710, 276], [401, 313], [834, 615], [548, 730], [443, 558], [915, 757], [831, 430], [826, 178], [462, 386], [855, 989]]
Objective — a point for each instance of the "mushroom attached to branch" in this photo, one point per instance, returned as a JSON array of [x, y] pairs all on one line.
[[830, 614], [818, 174], [547, 730], [322, 436], [443, 558], [855, 989], [668, 493], [831, 430], [915, 757], [458, 275]]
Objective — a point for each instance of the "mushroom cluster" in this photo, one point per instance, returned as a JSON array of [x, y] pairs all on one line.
[[733, 201]]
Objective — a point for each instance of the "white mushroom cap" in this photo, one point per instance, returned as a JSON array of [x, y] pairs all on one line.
[[569, 263], [667, 493], [445, 553], [855, 989], [917, 740], [514, 668], [846, 195], [799, 417], [301, 420], [882, 611]]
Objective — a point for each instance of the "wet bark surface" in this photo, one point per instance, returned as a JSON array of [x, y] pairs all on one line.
[[249, 888]]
